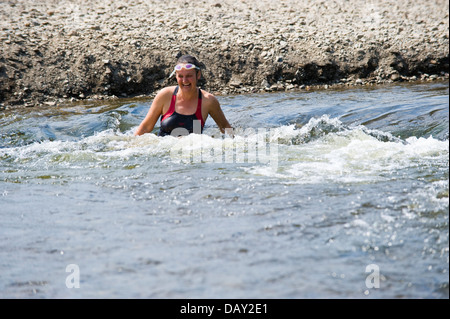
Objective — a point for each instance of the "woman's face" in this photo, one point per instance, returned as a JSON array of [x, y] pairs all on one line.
[[187, 79]]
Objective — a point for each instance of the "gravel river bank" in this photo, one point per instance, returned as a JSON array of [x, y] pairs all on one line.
[[54, 51]]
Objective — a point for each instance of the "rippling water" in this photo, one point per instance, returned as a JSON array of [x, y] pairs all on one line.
[[316, 190]]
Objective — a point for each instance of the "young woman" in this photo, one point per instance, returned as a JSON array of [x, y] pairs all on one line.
[[183, 108]]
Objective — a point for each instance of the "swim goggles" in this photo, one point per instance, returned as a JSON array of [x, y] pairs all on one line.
[[187, 66]]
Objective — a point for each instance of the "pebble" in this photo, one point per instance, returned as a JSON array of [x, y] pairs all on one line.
[[395, 77]]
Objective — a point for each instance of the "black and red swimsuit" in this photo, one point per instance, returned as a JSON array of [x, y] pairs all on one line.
[[173, 123]]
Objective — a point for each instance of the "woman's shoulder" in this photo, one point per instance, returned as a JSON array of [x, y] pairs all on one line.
[[208, 97], [163, 97]]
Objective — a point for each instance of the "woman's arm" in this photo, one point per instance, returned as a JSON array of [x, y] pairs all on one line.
[[216, 113], [154, 112]]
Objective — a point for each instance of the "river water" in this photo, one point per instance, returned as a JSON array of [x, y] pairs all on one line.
[[320, 194]]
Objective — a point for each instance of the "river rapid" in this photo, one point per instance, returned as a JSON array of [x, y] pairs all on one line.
[[320, 194]]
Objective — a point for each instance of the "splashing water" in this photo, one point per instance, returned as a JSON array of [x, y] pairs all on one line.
[[313, 188]]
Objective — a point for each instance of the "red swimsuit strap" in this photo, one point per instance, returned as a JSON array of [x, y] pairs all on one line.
[[198, 113], [172, 105]]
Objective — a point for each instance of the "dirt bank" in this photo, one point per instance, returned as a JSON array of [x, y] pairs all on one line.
[[52, 51]]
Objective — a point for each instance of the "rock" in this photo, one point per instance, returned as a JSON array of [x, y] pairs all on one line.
[[235, 83], [265, 84], [395, 77], [291, 86]]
